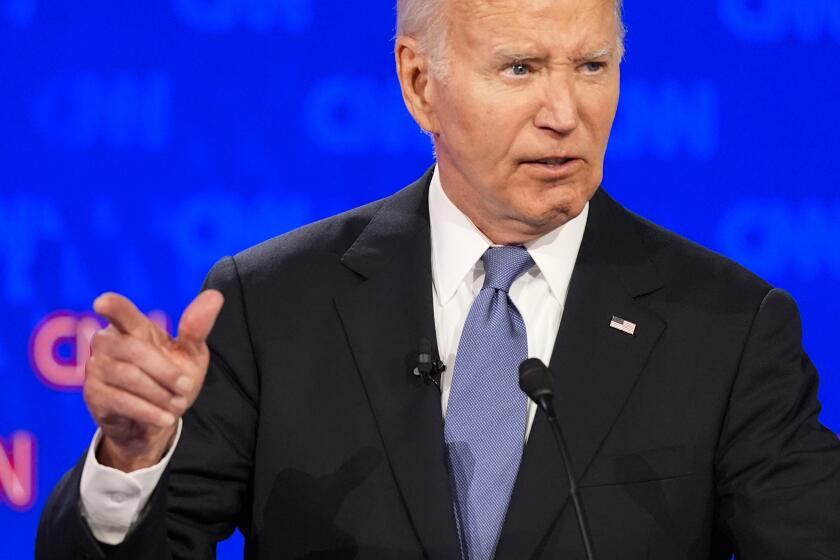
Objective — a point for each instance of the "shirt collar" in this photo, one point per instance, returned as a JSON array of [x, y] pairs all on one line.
[[457, 245]]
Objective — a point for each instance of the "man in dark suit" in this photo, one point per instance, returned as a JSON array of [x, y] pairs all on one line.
[[688, 403]]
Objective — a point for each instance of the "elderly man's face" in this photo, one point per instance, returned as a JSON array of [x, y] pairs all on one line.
[[523, 114]]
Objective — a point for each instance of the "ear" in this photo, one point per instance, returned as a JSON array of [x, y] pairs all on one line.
[[415, 81]]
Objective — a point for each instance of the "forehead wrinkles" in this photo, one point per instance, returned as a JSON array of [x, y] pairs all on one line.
[[500, 15], [574, 27], [473, 22], [468, 11]]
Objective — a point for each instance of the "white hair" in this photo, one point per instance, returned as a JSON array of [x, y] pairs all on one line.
[[424, 20]]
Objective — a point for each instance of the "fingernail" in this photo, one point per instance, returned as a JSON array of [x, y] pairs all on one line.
[[167, 419], [178, 403], [184, 384]]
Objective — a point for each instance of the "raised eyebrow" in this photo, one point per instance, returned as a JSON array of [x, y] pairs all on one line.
[[517, 56], [605, 52]]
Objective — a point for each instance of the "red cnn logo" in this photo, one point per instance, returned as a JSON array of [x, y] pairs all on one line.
[[17, 470], [60, 346]]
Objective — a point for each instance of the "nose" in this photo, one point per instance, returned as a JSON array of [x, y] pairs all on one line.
[[559, 108]]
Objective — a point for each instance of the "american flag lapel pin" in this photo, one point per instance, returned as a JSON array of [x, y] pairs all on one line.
[[623, 325]]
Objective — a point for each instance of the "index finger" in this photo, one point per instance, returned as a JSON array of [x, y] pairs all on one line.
[[123, 314]]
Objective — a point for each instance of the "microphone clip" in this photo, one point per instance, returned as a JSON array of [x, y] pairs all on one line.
[[429, 368]]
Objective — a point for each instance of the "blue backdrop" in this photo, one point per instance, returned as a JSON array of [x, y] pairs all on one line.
[[141, 141]]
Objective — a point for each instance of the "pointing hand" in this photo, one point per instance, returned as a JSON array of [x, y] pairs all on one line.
[[139, 380]]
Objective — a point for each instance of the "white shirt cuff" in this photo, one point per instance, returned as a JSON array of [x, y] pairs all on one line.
[[113, 500]]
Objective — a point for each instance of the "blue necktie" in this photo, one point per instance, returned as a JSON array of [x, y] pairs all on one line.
[[487, 412]]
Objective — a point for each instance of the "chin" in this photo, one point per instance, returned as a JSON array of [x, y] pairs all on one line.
[[556, 210], [544, 220]]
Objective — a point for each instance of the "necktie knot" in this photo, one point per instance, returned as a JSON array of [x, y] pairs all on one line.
[[503, 265]]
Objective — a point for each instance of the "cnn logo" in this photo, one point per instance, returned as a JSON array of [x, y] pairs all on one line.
[[17, 470]]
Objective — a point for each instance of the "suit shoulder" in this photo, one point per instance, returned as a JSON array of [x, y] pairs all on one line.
[[309, 258], [294, 258], [325, 239], [693, 268]]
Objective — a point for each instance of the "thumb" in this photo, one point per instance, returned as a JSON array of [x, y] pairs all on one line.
[[199, 317]]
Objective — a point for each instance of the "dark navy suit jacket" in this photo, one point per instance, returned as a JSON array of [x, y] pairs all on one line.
[[696, 437]]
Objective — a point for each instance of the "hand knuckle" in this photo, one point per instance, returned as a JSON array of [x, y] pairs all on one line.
[[125, 372], [118, 401], [136, 352], [111, 372], [96, 369], [172, 374], [104, 372], [98, 342]]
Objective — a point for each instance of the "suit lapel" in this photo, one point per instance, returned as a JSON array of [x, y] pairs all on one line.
[[385, 317], [594, 369]]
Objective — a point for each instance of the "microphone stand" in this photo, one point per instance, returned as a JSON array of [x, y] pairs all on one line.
[[573, 486], [535, 381]]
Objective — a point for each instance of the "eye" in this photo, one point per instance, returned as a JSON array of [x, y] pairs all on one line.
[[594, 67], [519, 69]]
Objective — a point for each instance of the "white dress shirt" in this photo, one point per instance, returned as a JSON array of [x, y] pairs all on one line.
[[112, 500], [458, 276]]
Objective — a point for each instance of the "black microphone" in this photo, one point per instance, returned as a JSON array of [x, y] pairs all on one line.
[[535, 381], [429, 368]]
